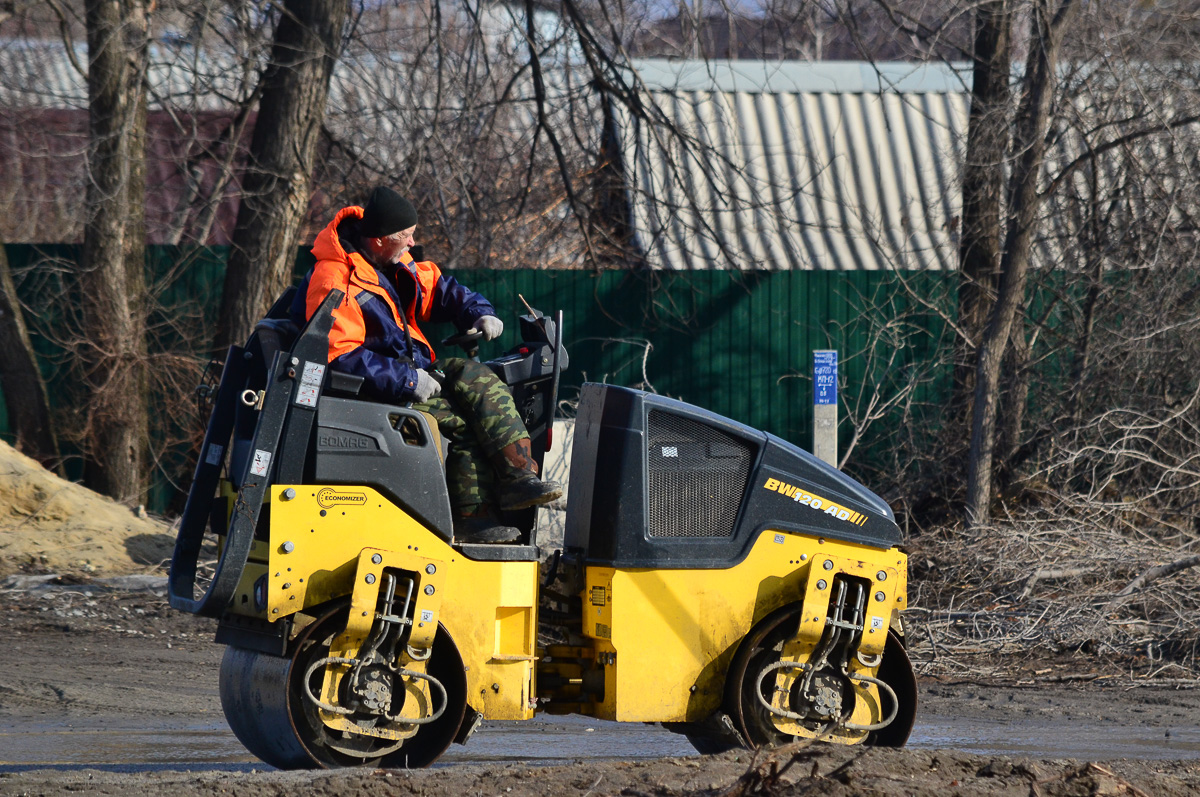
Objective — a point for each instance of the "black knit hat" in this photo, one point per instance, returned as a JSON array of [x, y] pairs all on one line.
[[386, 212]]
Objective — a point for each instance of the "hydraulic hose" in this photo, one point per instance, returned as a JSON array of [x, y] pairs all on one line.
[[778, 665], [854, 676], [344, 711], [791, 715], [308, 674]]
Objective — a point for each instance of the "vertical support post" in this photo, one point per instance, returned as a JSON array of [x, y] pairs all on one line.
[[825, 414]]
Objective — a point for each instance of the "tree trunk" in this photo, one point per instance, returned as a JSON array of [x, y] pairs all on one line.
[[983, 185], [1016, 375], [282, 153], [1081, 362], [24, 391], [1029, 145], [113, 281]]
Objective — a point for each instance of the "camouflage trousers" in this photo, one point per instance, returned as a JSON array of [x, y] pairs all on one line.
[[478, 416]]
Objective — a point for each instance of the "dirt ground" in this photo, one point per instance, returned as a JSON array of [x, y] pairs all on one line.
[[86, 651]]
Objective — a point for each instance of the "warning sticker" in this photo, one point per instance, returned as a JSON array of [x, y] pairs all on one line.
[[307, 396], [261, 463], [426, 616], [310, 385]]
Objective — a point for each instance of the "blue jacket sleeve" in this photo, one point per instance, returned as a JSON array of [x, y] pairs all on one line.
[[458, 304], [386, 378]]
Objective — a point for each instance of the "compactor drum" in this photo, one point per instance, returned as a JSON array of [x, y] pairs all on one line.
[[713, 578]]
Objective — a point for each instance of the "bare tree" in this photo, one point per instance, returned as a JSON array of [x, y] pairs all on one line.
[[112, 275], [983, 180], [1050, 21], [1076, 180], [276, 185], [491, 126], [24, 389]]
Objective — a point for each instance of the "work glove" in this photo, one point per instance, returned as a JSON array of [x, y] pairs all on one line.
[[427, 387], [490, 326]]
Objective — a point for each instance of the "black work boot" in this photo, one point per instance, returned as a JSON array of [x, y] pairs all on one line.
[[519, 486], [480, 527]]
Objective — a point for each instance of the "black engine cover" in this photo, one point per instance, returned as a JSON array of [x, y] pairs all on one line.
[[659, 483]]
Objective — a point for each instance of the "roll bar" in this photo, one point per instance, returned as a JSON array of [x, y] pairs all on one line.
[[294, 382]]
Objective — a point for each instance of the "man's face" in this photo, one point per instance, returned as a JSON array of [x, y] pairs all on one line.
[[387, 250]]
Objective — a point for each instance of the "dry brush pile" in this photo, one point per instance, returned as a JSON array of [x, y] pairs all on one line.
[[1077, 591]]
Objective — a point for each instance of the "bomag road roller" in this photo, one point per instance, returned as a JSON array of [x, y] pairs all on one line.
[[713, 578]]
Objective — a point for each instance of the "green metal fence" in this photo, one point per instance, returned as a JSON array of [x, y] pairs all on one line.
[[738, 343]]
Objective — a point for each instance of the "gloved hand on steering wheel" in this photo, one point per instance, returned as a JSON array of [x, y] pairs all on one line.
[[427, 387], [490, 326]]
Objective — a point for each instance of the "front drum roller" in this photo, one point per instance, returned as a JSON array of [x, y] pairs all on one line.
[[761, 648], [265, 705]]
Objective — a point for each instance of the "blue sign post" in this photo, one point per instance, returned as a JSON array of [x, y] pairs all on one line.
[[825, 418]]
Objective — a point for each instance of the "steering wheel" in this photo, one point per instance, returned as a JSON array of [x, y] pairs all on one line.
[[468, 340]]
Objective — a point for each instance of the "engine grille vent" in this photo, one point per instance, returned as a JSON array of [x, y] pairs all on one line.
[[697, 477]]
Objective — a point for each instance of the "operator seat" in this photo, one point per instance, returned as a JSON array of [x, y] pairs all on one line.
[[395, 450]]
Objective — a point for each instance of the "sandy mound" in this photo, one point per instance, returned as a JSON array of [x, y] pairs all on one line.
[[49, 525]]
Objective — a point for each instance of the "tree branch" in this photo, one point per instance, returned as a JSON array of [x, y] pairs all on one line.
[[1153, 574], [1093, 152]]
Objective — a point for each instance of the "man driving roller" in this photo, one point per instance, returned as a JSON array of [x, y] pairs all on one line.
[[366, 252]]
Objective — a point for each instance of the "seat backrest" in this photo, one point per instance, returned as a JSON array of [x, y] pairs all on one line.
[[275, 334]]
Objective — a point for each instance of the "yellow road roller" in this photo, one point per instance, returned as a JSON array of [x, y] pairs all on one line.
[[713, 578]]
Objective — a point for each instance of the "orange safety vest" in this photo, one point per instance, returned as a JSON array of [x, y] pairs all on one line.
[[352, 274]]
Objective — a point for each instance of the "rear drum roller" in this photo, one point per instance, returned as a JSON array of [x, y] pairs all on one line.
[[265, 706], [762, 647]]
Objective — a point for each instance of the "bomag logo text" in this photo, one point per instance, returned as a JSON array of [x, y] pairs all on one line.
[[824, 505], [343, 441], [328, 497]]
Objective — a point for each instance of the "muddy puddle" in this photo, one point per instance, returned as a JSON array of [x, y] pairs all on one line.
[[119, 747], [1075, 740], [123, 746]]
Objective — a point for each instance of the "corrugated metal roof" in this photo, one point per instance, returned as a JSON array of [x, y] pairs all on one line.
[[42, 73], [803, 77], [38, 73], [367, 87], [802, 165]]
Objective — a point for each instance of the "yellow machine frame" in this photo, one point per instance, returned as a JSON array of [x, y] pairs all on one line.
[[661, 640]]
